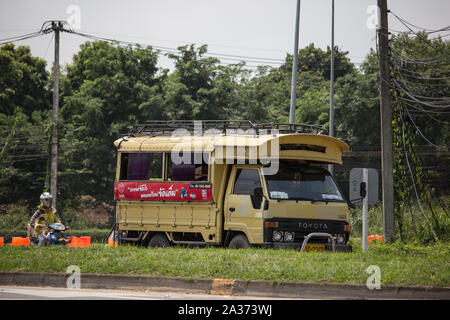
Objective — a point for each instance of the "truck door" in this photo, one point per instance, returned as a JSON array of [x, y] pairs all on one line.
[[243, 203]]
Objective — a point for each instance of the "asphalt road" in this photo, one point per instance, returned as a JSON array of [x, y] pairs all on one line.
[[33, 293]]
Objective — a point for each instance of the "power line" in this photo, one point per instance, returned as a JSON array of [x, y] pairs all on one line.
[[408, 24], [20, 38], [411, 96], [223, 56], [46, 28], [420, 132], [176, 50], [184, 42]]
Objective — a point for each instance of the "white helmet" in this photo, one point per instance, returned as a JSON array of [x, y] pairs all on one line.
[[46, 199]]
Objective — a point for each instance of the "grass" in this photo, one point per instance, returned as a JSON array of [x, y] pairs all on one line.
[[400, 264]]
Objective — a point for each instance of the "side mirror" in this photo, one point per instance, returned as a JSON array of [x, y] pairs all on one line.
[[362, 194], [351, 205], [257, 197]]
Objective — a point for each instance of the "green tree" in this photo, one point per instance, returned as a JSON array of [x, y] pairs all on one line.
[[268, 92], [313, 107], [24, 124], [105, 91], [191, 91], [317, 60], [23, 81], [357, 106]]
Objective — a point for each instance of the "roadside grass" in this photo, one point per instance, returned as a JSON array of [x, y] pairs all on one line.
[[97, 235], [399, 264]]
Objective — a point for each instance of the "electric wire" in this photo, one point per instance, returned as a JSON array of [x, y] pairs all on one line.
[[176, 50], [411, 96], [420, 132], [19, 38], [407, 24]]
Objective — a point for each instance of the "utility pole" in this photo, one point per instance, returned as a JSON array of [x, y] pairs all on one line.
[[56, 27], [365, 224], [294, 67], [331, 120], [387, 154]]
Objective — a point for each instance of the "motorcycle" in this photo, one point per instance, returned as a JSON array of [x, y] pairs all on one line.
[[55, 235]]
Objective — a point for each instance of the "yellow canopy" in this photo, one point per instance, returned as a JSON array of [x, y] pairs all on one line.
[[293, 146]]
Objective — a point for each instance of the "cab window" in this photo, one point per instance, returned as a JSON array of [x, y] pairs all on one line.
[[141, 166], [248, 182], [187, 167]]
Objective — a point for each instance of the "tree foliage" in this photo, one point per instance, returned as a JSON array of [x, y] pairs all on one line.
[[24, 125]]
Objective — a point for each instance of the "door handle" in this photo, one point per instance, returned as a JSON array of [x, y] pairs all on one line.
[[232, 209]]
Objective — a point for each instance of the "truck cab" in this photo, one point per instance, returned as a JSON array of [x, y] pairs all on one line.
[[280, 210]]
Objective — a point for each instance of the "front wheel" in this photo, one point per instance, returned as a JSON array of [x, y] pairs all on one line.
[[159, 240], [239, 241]]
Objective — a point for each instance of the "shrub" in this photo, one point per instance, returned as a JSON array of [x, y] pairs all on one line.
[[90, 213], [414, 229], [15, 216]]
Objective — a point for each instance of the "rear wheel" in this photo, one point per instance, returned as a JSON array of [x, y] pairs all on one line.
[[239, 241], [159, 240]]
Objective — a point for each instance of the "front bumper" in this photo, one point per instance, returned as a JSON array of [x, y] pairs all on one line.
[[301, 228], [298, 246]]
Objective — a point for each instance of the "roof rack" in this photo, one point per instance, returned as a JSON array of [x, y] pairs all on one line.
[[167, 127], [293, 128]]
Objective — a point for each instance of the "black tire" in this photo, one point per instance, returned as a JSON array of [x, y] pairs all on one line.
[[239, 241], [159, 240]]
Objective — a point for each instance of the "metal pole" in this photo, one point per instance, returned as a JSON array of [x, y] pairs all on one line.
[[54, 153], [387, 154], [294, 66], [331, 131], [365, 210]]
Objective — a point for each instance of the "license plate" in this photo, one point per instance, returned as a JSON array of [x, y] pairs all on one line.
[[315, 247]]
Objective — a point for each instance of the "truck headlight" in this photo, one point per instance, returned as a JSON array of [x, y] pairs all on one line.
[[277, 236], [288, 236], [340, 239]]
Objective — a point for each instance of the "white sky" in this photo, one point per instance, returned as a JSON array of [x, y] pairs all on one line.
[[255, 28]]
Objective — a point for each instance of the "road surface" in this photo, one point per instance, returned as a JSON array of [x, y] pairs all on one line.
[[33, 293]]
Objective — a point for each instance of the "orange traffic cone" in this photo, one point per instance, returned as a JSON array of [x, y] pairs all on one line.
[[112, 243], [74, 242], [85, 241], [19, 241]]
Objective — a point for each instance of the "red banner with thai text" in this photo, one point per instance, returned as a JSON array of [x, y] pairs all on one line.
[[163, 191]]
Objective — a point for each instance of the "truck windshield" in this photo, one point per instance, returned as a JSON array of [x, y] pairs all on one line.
[[303, 183]]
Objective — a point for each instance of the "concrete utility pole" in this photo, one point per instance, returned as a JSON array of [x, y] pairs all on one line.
[[56, 27], [387, 154], [294, 66], [331, 120], [365, 224]]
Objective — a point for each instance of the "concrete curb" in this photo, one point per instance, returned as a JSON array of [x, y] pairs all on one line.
[[256, 288]]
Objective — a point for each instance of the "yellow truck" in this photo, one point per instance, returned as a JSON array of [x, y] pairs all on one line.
[[230, 183]]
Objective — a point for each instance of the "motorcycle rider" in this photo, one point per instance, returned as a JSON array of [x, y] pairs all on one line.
[[44, 216]]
